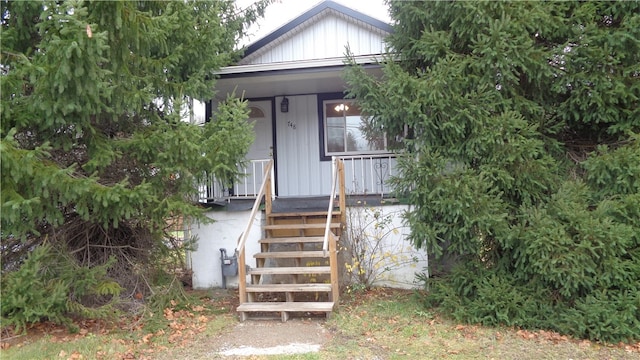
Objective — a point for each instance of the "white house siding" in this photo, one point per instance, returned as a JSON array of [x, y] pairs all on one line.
[[223, 233], [300, 171], [394, 251], [324, 36], [206, 263]]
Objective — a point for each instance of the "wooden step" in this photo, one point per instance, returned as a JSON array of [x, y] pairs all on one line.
[[290, 254], [290, 270], [292, 240], [303, 214], [317, 287], [301, 226], [286, 306]]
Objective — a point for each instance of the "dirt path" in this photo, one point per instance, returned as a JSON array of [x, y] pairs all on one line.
[[270, 337]]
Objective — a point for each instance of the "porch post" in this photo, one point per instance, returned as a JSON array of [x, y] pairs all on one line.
[[333, 261], [242, 277], [268, 196], [343, 200]]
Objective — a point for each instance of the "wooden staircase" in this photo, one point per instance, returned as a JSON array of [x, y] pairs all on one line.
[[293, 274]]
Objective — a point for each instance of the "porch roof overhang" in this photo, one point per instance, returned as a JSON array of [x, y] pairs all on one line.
[[289, 78]]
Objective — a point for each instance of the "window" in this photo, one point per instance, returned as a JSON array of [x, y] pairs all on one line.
[[348, 131], [255, 112]]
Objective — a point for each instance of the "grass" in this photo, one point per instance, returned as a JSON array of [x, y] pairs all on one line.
[[392, 325], [128, 338], [379, 324], [51, 347]]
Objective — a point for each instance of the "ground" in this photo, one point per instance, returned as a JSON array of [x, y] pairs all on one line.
[[231, 340], [376, 324], [268, 337]]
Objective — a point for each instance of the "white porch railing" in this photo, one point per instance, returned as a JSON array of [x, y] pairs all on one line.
[[364, 175], [247, 187], [369, 174]]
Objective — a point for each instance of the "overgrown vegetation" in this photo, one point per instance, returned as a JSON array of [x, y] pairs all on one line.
[[522, 158], [374, 247], [97, 162], [48, 285]]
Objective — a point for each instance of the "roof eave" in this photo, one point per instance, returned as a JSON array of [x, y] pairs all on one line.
[[243, 70]]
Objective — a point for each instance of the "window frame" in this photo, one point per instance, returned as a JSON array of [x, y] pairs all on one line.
[[325, 155]]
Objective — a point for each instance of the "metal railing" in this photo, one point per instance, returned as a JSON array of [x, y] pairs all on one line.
[[369, 174], [364, 175], [247, 187]]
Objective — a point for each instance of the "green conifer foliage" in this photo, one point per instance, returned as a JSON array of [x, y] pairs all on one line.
[[521, 158], [94, 154]]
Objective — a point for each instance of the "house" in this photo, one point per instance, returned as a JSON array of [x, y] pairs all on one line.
[[313, 154]]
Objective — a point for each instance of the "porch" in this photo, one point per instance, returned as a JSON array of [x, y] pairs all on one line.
[[291, 242], [366, 177], [306, 134]]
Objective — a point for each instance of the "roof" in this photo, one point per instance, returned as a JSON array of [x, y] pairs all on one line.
[[258, 75], [304, 19]]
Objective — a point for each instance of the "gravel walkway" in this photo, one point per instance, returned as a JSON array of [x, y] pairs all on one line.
[[271, 337]]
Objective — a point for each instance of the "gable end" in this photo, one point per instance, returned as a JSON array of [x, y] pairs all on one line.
[[346, 18]]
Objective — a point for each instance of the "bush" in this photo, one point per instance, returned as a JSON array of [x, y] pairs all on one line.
[[604, 315], [519, 134], [50, 286], [577, 248], [482, 296], [571, 266], [374, 247]]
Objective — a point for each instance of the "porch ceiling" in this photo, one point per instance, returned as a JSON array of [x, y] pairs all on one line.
[[285, 82]]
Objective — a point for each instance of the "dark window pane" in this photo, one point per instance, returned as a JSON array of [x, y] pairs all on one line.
[[355, 140], [335, 134]]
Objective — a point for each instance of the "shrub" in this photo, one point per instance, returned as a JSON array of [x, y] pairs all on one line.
[[49, 286], [372, 246], [520, 155], [476, 295], [572, 266]]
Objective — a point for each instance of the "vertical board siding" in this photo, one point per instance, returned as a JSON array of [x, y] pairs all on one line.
[[325, 38], [300, 171]]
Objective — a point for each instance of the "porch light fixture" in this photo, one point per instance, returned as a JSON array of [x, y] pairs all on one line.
[[284, 105], [341, 107]]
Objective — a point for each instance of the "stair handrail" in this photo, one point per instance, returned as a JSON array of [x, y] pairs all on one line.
[[256, 205], [327, 229]]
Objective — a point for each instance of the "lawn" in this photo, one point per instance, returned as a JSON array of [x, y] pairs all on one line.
[[378, 324], [391, 325]]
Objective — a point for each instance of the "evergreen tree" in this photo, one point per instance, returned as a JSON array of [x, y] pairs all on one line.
[[95, 157], [523, 157]]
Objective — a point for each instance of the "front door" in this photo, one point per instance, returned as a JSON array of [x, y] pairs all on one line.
[[260, 116], [260, 151]]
